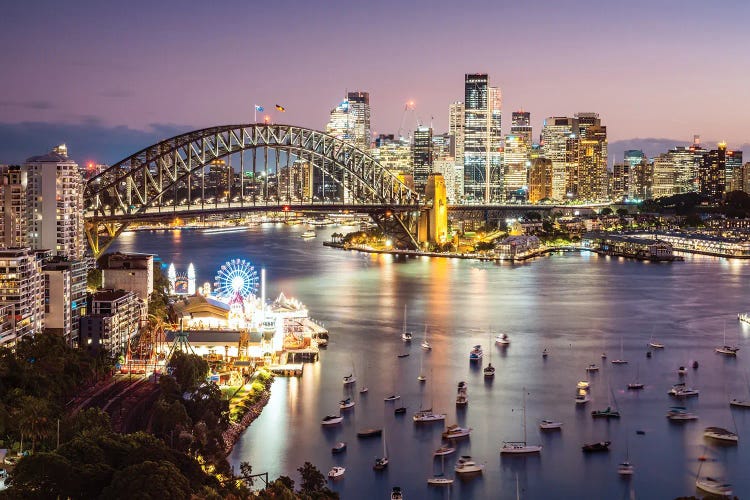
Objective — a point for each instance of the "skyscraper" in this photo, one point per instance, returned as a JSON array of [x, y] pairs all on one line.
[[591, 174], [14, 223], [540, 179], [456, 130], [422, 157], [559, 144], [712, 172], [517, 154], [55, 204], [483, 178], [733, 165], [22, 289]]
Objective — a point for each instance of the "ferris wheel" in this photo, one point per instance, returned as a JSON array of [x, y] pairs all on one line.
[[236, 276]]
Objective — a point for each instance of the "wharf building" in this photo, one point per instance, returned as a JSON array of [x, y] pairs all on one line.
[[483, 175]]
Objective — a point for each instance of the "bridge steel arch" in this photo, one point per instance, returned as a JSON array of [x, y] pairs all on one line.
[[133, 186]]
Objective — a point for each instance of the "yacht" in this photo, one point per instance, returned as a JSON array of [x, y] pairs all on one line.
[[608, 413], [466, 465], [406, 336], [400, 410], [582, 398], [625, 469], [350, 379], [520, 447], [547, 425], [489, 371], [583, 385], [392, 397], [345, 404], [428, 416], [682, 391], [621, 360], [592, 368], [340, 447], [365, 433], [462, 398], [336, 472], [396, 493], [714, 486], [721, 434], [476, 353], [727, 350], [634, 386], [454, 431], [444, 450], [502, 339], [680, 414], [596, 447], [743, 403], [308, 234], [681, 371], [332, 420]]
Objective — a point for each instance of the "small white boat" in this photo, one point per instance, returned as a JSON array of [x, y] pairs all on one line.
[[582, 398], [308, 234], [444, 450], [653, 344], [502, 339], [363, 390], [340, 447], [583, 384], [421, 377], [741, 403], [720, 434], [621, 360], [428, 416], [336, 472], [547, 425], [592, 368], [466, 465], [392, 397], [714, 486], [439, 480], [350, 379], [625, 469], [489, 371], [476, 353], [681, 371], [727, 350], [345, 404], [682, 391], [426, 345], [406, 336], [332, 420], [454, 431], [520, 447], [680, 413], [635, 386]]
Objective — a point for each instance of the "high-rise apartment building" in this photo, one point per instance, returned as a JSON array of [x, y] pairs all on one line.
[[712, 172], [456, 130], [422, 157], [733, 165], [483, 177], [64, 297], [590, 173], [55, 204], [624, 174], [560, 136], [540, 180], [22, 289], [14, 221], [517, 155]]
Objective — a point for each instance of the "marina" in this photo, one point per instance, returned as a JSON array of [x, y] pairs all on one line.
[[565, 326]]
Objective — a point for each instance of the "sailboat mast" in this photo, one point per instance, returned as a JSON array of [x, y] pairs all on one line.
[[524, 415]]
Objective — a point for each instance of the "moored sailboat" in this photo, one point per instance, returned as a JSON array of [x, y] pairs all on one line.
[[520, 447]]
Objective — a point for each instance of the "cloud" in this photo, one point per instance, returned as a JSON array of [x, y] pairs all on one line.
[[35, 105], [89, 140]]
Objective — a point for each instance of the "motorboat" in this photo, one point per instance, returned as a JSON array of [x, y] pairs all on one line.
[[634, 386], [592, 368], [545, 353], [583, 385], [332, 420], [476, 353], [462, 399], [396, 493], [350, 379], [714, 486], [656, 345], [308, 234], [548, 425], [648, 354], [392, 397], [680, 414], [363, 390], [741, 403], [489, 371], [466, 465], [421, 377], [404, 355], [426, 345], [428, 416], [727, 350], [400, 410], [454, 431], [681, 371], [720, 434], [625, 469], [365, 433], [582, 398], [608, 413], [440, 480], [604, 355], [682, 391], [345, 404], [502, 339], [444, 450], [340, 447], [336, 472], [406, 336], [596, 447]]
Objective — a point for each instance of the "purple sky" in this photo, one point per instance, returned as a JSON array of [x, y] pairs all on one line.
[[652, 69]]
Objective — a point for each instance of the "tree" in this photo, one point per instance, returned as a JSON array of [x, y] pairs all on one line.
[[312, 479], [94, 279], [149, 481], [532, 216], [34, 419], [606, 211], [190, 370], [622, 212], [43, 475]]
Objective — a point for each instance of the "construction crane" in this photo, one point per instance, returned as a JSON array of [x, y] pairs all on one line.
[[410, 108]]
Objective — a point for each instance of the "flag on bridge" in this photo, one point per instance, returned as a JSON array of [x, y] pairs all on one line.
[[258, 107], [280, 108]]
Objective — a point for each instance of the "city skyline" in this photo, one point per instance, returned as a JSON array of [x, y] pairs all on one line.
[[647, 69]]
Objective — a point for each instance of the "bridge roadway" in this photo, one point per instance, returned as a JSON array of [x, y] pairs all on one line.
[[197, 210]]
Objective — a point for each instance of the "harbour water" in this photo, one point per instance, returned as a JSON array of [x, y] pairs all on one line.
[[574, 305]]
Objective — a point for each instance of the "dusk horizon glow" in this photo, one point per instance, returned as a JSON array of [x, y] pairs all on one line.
[[641, 67]]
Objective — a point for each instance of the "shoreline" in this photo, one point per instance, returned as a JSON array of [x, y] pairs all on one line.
[[235, 430]]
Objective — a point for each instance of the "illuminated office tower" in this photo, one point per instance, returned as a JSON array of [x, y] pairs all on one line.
[[520, 125], [712, 172], [395, 154], [483, 177], [540, 180], [591, 170], [664, 176], [13, 220], [422, 156], [456, 130], [733, 165], [55, 204], [623, 174], [559, 145], [517, 155]]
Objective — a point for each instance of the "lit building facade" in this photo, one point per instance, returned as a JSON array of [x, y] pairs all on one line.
[[64, 297], [559, 145], [422, 157], [393, 154], [14, 221], [591, 169], [733, 169], [22, 289], [456, 129], [712, 172], [128, 271], [540, 180], [350, 120], [483, 177], [115, 317], [55, 204]]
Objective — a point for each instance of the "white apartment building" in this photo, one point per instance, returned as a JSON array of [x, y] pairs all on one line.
[[21, 289]]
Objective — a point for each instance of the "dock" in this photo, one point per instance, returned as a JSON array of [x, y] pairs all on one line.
[[287, 370]]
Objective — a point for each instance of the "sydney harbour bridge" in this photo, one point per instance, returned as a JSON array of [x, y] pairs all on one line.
[[168, 180]]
